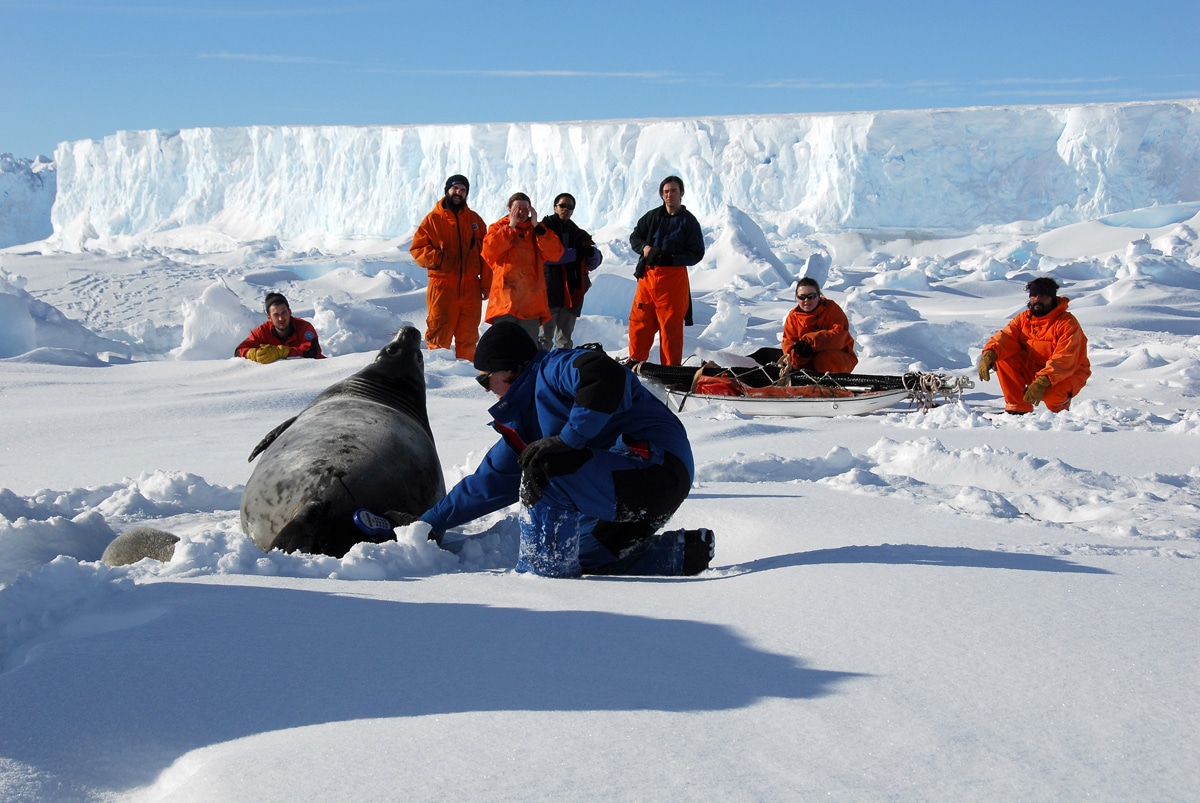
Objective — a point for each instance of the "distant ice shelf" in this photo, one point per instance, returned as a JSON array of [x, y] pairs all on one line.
[[945, 171]]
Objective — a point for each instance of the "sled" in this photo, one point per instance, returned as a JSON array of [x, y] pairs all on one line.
[[796, 406], [772, 390]]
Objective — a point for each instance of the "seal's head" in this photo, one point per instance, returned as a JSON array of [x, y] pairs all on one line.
[[405, 345]]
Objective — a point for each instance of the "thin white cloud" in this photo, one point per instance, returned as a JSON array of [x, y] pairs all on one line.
[[644, 76], [1049, 81], [191, 12], [266, 58], [1030, 86], [272, 59], [805, 83]]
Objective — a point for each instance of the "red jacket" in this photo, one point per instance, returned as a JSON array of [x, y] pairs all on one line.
[[302, 341], [516, 256], [1055, 341]]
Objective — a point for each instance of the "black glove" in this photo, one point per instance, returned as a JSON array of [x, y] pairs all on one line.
[[539, 230], [652, 257], [400, 518], [544, 459], [583, 252], [802, 350]]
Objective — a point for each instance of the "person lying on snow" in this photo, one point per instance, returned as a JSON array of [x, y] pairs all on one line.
[[606, 466], [281, 337]]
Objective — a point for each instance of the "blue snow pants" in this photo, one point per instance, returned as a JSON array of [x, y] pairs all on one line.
[[604, 518]]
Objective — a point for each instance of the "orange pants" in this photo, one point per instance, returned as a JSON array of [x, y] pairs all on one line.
[[659, 306], [454, 315], [832, 362], [1015, 374]]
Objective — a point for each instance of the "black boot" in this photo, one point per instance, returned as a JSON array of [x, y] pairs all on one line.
[[699, 547]]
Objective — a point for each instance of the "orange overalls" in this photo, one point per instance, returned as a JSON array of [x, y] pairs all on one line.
[[1052, 345], [449, 246]]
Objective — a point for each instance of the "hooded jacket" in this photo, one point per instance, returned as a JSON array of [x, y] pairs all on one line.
[[516, 256], [567, 278], [826, 328], [448, 245], [1055, 341], [577, 395]]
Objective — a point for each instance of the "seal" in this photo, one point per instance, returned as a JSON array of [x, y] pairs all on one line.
[[363, 442], [137, 543]]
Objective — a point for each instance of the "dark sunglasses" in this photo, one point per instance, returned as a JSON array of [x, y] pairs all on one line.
[[484, 380], [808, 296], [568, 207]]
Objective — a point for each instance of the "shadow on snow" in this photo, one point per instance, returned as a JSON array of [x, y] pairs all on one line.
[[917, 555], [171, 667]]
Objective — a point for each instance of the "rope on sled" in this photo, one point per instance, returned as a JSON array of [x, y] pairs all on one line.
[[923, 389]]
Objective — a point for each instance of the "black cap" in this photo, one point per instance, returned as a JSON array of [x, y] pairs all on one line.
[[1042, 286], [504, 347], [272, 299], [457, 179]]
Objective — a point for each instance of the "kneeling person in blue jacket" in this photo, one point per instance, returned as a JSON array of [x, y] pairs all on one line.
[[606, 465]]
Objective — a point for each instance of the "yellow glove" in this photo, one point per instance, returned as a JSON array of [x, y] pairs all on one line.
[[268, 354], [987, 361], [1037, 389]]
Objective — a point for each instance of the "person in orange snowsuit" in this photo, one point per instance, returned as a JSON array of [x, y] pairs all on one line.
[[816, 333], [516, 249], [1041, 356], [448, 244], [668, 241]]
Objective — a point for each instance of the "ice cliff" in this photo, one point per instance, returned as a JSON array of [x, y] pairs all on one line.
[[934, 172], [27, 188]]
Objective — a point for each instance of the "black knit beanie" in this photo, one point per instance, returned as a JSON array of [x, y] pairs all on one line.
[[274, 298], [1042, 286], [504, 347], [457, 179]]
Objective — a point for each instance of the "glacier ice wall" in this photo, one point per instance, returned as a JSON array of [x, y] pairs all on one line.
[[27, 188], [937, 171]]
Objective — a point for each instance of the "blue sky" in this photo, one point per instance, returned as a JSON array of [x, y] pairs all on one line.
[[88, 68]]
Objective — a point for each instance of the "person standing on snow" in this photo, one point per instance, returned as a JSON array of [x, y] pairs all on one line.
[[1041, 356], [606, 465], [516, 249], [567, 277], [816, 333], [448, 244], [668, 241], [282, 335]]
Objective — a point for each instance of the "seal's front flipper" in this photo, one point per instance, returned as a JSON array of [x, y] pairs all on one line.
[[269, 438]]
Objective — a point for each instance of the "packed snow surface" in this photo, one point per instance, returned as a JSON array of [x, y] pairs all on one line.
[[938, 605]]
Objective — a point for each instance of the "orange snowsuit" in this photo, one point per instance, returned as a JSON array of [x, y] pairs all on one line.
[[448, 245], [1052, 345], [516, 256], [663, 297], [827, 330]]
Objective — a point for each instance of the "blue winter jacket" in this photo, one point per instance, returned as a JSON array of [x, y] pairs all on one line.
[[584, 397]]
